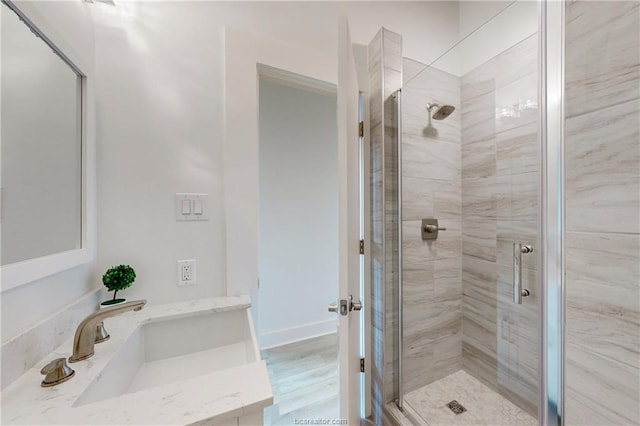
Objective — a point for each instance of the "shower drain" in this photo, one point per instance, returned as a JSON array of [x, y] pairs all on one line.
[[456, 407]]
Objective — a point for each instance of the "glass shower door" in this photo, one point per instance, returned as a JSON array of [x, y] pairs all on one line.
[[470, 297]]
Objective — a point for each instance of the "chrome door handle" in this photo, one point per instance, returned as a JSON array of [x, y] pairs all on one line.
[[344, 306], [518, 292], [357, 305]]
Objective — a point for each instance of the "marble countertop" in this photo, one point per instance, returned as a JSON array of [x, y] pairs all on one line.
[[223, 394]]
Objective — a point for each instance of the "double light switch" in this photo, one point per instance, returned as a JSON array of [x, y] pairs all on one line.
[[191, 207]]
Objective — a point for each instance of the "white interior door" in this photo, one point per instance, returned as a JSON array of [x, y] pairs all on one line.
[[348, 229]]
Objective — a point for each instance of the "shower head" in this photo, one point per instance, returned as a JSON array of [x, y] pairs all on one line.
[[441, 111]]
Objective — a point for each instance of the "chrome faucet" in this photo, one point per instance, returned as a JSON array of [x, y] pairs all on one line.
[[83, 343]]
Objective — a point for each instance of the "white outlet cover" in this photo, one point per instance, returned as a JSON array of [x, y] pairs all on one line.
[[191, 263]]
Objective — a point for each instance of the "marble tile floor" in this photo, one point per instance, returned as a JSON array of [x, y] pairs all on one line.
[[304, 378], [484, 406]]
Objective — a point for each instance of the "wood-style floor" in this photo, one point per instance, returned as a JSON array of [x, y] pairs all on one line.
[[304, 377]]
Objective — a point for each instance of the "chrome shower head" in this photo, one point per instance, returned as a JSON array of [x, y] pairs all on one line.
[[441, 111]]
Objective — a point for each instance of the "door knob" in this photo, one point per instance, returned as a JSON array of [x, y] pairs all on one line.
[[342, 307], [345, 306], [357, 305]]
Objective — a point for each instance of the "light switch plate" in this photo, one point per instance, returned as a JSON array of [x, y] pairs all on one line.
[[197, 207]]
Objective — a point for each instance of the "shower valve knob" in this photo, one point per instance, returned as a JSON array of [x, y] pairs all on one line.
[[430, 229], [433, 228]]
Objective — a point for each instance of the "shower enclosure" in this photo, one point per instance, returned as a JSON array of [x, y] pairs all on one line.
[[506, 220], [470, 298]]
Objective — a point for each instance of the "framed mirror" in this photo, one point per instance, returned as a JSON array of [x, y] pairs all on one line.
[[43, 219]]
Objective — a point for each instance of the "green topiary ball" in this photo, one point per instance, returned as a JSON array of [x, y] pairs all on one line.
[[119, 277]]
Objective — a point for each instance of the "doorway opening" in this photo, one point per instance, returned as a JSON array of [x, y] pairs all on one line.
[[298, 246]]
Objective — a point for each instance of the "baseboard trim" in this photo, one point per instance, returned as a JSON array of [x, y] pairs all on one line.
[[295, 334]]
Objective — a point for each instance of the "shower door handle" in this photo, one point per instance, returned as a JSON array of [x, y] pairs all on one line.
[[518, 292]]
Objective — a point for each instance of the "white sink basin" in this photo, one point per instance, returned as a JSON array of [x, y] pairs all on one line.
[[173, 349]]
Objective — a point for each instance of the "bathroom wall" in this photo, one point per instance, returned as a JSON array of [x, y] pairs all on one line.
[[602, 192], [510, 22], [298, 264], [431, 188], [160, 132], [500, 181], [38, 316], [161, 120]]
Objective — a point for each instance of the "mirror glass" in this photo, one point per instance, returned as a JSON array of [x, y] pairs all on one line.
[[41, 146]]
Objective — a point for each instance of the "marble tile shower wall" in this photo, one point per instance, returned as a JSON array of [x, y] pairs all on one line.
[[385, 74], [374, 54], [500, 182], [602, 240], [431, 188]]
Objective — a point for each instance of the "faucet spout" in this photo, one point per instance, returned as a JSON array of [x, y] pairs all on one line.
[[84, 340]]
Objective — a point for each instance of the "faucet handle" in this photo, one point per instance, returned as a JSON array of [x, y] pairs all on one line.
[[56, 372], [101, 333]]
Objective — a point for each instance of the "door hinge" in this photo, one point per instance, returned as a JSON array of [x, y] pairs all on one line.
[[361, 129], [362, 365], [361, 246]]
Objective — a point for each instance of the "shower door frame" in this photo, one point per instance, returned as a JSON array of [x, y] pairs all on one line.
[[551, 108]]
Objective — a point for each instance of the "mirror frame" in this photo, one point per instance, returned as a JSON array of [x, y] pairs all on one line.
[[27, 271]]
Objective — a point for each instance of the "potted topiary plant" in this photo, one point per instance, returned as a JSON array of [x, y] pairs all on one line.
[[118, 278]]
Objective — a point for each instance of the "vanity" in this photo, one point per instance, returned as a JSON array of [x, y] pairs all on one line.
[[194, 362]]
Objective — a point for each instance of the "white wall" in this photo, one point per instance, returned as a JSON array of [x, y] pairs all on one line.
[[159, 133], [508, 26], [298, 212], [473, 14], [161, 118], [39, 305]]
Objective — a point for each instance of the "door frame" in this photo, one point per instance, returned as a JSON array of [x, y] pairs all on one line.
[[243, 53], [365, 224], [297, 81]]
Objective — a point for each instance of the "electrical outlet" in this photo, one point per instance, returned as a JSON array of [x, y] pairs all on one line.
[[186, 272]]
